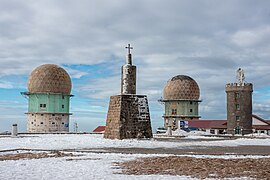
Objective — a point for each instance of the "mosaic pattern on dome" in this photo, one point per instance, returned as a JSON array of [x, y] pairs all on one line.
[[49, 78], [181, 87]]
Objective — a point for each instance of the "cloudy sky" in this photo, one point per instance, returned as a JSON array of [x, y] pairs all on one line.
[[207, 40]]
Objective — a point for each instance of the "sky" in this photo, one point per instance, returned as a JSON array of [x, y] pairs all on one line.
[[205, 39]]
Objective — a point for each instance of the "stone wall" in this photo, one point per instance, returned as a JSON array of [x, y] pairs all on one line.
[[47, 122], [128, 117], [239, 108]]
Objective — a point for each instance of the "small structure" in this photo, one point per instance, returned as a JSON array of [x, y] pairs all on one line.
[[99, 130], [49, 88], [128, 114], [14, 131], [181, 98], [239, 106], [210, 126], [259, 125]]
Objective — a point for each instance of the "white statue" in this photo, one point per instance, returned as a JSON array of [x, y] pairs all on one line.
[[240, 75]]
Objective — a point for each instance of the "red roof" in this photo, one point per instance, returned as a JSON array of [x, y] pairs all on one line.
[[99, 129], [207, 124], [261, 119], [221, 124]]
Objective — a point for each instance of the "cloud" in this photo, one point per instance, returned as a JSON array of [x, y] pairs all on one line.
[[76, 74], [206, 40], [6, 85], [253, 37]]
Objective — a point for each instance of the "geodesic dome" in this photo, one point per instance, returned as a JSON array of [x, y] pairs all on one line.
[[181, 87], [49, 78]]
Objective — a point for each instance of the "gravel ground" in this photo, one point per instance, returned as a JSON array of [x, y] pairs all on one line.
[[28, 155], [199, 167], [204, 150]]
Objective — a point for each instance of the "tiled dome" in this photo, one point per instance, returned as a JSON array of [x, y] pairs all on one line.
[[181, 87], [49, 78]]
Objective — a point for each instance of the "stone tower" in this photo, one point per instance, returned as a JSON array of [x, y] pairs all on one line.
[[49, 88], [128, 81], [128, 114], [181, 98], [239, 106]]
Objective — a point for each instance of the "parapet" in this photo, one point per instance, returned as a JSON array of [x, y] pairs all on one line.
[[239, 87]]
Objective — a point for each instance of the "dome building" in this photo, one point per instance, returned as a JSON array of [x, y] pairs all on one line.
[[49, 88], [181, 98]]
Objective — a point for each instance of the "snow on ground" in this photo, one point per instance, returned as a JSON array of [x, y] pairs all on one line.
[[94, 165], [258, 135], [80, 141], [89, 166], [179, 132]]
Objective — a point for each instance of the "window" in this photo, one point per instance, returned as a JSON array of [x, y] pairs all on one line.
[[41, 114], [237, 95], [32, 114], [53, 114], [63, 123], [42, 105], [53, 122], [238, 107], [63, 115], [32, 122], [190, 110], [63, 97], [190, 102], [174, 111], [63, 106], [237, 118], [41, 122]]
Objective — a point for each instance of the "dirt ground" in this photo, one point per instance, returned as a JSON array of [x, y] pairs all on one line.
[[199, 167], [173, 165], [28, 155], [198, 150]]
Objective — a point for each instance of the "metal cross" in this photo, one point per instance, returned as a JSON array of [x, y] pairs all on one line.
[[129, 48]]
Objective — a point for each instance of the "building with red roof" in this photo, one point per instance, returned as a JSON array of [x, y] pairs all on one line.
[[259, 125], [99, 130]]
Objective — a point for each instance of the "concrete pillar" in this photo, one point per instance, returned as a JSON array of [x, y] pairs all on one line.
[[14, 131]]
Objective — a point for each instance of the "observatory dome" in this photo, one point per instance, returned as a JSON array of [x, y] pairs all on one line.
[[49, 78], [181, 87]]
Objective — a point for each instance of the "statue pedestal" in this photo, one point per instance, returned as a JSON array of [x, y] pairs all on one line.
[[128, 117]]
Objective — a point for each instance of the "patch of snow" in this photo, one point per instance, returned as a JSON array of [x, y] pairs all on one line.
[[84, 141], [198, 133], [179, 132], [258, 135], [95, 165], [89, 166]]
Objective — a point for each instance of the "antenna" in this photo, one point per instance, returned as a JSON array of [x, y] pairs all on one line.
[[75, 127], [161, 101]]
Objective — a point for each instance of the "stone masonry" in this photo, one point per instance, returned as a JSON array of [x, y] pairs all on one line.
[[239, 108], [128, 83], [128, 117]]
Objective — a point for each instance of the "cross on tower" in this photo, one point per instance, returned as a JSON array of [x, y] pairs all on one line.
[[129, 48]]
